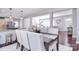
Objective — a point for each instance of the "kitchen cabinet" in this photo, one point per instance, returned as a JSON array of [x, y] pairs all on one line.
[[7, 36]]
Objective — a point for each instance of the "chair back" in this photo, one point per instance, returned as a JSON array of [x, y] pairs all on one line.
[[18, 35], [24, 37], [36, 41], [53, 31]]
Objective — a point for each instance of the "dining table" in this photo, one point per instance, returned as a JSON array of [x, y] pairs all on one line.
[[49, 39]]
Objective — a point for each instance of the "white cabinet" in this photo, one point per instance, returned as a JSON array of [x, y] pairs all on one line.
[[6, 36], [2, 38]]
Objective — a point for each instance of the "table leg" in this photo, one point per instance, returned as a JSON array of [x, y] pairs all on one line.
[[22, 47]]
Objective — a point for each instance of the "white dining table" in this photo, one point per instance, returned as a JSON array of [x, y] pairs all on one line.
[[48, 37]]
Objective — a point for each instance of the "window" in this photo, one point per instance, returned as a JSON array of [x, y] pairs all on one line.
[[27, 23], [35, 21], [69, 22], [62, 15], [43, 20], [56, 22]]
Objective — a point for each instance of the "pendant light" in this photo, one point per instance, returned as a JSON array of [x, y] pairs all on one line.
[[10, 14], [21, 15], [22, 19]]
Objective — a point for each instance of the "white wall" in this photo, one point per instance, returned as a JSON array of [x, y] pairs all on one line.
[[27, 23], [78, 25], [21, 23], [74, 18]]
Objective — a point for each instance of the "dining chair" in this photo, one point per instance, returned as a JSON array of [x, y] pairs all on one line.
[[19, 39], [36, 41], [54, 31], [43, 30], [25, 41]]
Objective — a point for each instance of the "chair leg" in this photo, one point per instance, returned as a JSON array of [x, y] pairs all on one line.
[[46, 46], [29, 50], [18, 45], [57, 47], [22, 47]]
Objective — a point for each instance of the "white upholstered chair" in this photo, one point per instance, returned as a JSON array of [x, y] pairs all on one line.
[[43, 30], [36, 41], [25, 41], [19, 39], [53, 31]]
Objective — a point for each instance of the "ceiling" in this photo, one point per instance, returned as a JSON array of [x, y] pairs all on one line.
[[27, 12]]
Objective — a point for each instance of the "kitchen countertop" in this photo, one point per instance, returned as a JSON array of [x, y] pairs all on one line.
[[6, 30]]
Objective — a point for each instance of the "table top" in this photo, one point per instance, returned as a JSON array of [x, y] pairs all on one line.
[[50, 36]]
